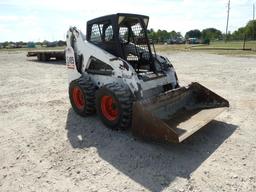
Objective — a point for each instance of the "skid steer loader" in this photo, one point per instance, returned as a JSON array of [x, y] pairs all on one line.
[[114, 70]]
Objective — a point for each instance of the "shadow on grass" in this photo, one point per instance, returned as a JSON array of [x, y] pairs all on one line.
[[153, 165]]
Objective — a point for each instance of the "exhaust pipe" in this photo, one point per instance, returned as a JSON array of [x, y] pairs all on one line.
[[175, 115]]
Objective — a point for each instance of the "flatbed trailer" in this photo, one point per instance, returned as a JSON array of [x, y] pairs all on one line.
[[46, 55]]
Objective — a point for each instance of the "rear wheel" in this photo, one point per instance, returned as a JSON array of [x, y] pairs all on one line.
[[114, 106], [82, 96], [43, 57], [39, 58]]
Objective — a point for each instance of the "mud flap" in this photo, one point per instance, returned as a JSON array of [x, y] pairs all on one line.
[[177, 114]]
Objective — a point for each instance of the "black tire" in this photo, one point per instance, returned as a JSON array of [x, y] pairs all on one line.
[[87, 90], [59, 58], [123, 104], [39, 57], [44, 57]]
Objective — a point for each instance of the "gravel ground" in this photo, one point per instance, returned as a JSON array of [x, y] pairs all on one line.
[[45, 146]]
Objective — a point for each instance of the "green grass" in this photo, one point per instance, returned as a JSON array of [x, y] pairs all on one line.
[[233, 48], [229, 45], [240, 53]]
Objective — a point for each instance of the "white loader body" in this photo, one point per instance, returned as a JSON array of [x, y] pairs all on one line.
[[119, 73]]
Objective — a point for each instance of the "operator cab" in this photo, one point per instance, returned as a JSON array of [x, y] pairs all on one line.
[[125, 36]]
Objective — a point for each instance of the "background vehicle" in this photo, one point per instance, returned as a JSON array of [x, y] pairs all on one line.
[[46, 55]]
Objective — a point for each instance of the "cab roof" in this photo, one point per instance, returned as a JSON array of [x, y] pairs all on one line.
[[114, 17]]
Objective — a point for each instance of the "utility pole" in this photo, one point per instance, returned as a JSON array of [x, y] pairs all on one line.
[[253, 11], [253, 17], [227, 21]]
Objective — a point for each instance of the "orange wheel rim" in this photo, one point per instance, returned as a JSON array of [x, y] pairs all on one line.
[[78, 98], [109, 108]]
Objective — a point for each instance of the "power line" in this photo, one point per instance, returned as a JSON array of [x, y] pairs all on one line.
[[227, 20]]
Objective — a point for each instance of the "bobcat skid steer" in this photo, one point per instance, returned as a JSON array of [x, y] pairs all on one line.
[[115, 71]]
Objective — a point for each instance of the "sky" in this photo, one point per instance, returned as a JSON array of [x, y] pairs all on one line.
[[38, 20]]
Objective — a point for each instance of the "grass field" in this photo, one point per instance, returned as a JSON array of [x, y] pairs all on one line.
[[218, 47], [231, 45]]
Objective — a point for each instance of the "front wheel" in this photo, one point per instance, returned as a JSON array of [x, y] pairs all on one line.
[[114, 106]]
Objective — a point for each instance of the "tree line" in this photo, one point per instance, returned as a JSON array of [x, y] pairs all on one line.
[[30, 44], [206, 35], [248, 32]]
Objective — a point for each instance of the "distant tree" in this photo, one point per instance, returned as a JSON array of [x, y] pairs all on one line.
[[238, 34], [228, 36], [175, 35], [38, 43], [151, 30], [45, 42], [19, 44], [193, 34], [24, 43], [211, 34], [152, 35], [179, 35], [161, 36], [250, 30], [5, 44], [61, 43]]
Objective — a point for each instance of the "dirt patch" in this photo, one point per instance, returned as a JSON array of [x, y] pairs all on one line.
[[45, 146]]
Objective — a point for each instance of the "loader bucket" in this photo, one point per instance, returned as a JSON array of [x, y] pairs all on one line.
[[176, 114]]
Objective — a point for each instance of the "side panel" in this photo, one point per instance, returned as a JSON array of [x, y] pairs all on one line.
[[71, 66]]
